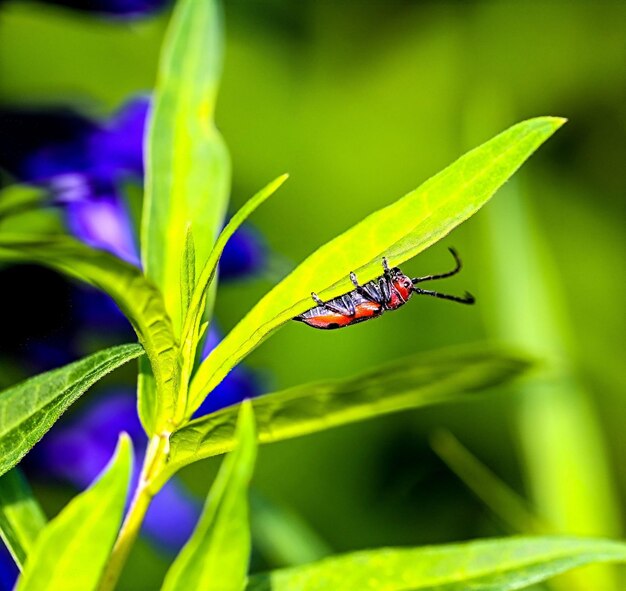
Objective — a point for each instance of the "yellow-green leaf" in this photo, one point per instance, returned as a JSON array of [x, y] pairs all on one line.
[[188, 167], [70, 553], [419, 380], [21, 516], [29, 409], [399, 231], [489, 565], [217, 555]]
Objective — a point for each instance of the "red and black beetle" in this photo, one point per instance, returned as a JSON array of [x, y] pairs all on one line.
[[370, 300]]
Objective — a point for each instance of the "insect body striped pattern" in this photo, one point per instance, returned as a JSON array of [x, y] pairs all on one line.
[[390, 291]]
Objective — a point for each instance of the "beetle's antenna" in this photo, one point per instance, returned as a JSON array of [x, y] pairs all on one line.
[[442, 275], [468, 298]]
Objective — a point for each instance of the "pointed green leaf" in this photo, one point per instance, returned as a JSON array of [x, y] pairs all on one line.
[[399, 231], [137, 297], [21, 516], [70, 553], [188, 168], [28, 410], [217, 555], [490, 565], [192, 326], [419, 380]]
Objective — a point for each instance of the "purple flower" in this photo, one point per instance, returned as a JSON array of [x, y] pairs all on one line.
[[84, 164], [8, 569]]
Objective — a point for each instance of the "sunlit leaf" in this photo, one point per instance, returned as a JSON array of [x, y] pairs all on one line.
[[21, 517], [188, 167], [399, 231], [137, 297], [490, 565], [70, 553], [420, 380], [196, 304], [28, 410], [217, 555]]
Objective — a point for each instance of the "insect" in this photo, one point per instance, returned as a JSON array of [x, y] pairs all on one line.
[[370, 300]]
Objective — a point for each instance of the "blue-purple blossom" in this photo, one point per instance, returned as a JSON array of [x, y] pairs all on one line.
[[84, 164], [8, 569]]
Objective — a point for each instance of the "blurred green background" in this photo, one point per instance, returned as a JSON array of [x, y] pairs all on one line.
[[360, 102]]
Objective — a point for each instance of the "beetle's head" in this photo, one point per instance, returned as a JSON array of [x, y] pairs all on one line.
[[402, 284]]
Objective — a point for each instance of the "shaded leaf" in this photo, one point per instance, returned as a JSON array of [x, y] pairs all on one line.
[[188, 167], [20, 198], [420, 380], [29, 409], [490, 565], [137, 297], [217, 555], [71, 551], [399, 231], [21, 516]]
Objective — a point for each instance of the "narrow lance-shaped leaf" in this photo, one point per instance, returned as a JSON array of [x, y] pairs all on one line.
[[70, 553], [28, 410], [399, 231], [412, 382], [137, 297], [217, 555], [489, 565], [21, 516], [188, 168], [196, 306]]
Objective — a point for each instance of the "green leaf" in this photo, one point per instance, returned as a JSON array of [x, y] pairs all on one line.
[[28, 410], [399, 231], [193, 319], [137, 297], [71, 551], [20, 198], [489, 565], [217, 555], [188, 167], [419, 380], [21, 516]]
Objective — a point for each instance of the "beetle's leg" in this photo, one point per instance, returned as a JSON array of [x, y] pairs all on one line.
[[346, 300], [468, 298], [387, 270], [384, 284], [442, 275], [333, 305], [367, 291]]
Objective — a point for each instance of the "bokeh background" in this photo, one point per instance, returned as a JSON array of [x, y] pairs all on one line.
[[360, 102]]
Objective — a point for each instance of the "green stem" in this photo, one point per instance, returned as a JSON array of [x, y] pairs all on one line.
[[156, 455]]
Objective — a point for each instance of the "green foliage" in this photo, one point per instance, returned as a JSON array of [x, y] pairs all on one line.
[[188, 167], [197, 300], [137, 297], [217, 555], [412, 382], [28, 410], [71, 551], [21, 517], [18, 199], [399, 231], [491, 565]]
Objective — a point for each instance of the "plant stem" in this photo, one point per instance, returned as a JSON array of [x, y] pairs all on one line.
[[156, 454]]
